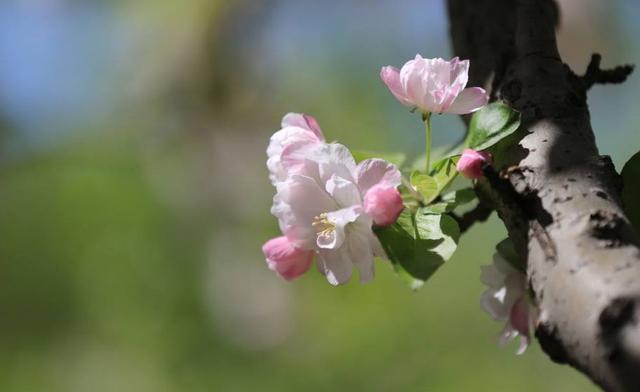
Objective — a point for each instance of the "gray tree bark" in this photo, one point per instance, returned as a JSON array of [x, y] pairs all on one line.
[[558, 197]]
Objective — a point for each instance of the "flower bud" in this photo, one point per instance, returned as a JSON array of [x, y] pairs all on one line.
[[471, 162], [383, 204], [285, 259]]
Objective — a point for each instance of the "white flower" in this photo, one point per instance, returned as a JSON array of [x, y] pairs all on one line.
[[506, 299], [320, 206]]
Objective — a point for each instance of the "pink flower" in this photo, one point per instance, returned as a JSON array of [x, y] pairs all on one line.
[[296, 129], [471, 162], [383, 204], [506, 299], [285, 259], [320, 206], [434, 86]]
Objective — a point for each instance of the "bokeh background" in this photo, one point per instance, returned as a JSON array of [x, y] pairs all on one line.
[[134, 197]]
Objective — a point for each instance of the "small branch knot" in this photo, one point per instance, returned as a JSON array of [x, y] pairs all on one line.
[[597, 75]]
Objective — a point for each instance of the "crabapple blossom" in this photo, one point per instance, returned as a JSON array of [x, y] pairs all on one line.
[[506, 299], [471, 162], [320, 206], [434, 86]]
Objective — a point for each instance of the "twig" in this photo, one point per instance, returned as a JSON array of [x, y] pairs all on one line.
[[597, 75]]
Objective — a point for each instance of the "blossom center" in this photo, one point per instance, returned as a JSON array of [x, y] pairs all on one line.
[[323, 225]]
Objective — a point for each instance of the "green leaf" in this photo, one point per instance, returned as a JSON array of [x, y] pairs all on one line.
[[631, 190], [397, 158], [507, 251], [426, 185], [439, 208], [419, 244], [460, 197], [444, 172], [442, 228], [451, 200], [491, 124]]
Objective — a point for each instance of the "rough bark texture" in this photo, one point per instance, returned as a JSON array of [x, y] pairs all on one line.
[[559, 198]]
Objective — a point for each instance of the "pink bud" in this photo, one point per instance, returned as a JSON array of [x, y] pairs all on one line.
[[471, 162], [383, 204], [285, 259]]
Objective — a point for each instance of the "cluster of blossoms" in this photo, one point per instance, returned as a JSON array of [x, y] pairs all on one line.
[[326, 205], [506, 299]]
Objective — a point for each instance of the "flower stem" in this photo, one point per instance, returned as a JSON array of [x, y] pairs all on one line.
[[426, 117]]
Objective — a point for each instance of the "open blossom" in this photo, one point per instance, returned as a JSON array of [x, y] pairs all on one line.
[[300, 129], [471, 162], [506, 299], [326, 205], [434, 86]]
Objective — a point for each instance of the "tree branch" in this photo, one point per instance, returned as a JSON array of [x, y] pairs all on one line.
[[480, 213], [595, 74], [562, 208]]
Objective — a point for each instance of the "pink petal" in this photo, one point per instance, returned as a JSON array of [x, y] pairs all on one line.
[[285, 259], [519, 317], [468, 101], [377, 171], [391, 77], [313, 125], [459, 75], [303, 121], [414, 79]]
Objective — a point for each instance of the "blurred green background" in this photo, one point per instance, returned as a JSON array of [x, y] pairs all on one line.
[[134, 197]]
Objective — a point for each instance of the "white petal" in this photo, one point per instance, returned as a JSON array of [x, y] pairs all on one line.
[[279, 142], [335, 159], [375, 171], [378, 250], [360, 250], [344, 192], [491, 305], [492, 276], [335, 265], [304, 201]]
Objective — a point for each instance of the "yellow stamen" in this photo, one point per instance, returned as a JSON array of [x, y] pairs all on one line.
[[323, 224]]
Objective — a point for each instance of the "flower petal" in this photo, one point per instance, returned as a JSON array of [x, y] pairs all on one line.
[[333, 239], [303, 121], [391, 77], [335, 265], [468, 101], [372, 172], [282, 141], [344, 192], [304, 200], [360, 251]]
